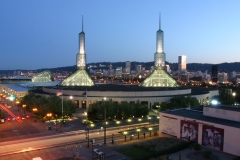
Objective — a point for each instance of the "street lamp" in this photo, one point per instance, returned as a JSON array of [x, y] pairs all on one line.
[[234, 94], [105, 122], [87, 135], [35, 110], [112, 138], [17, 103], [138, 130], [150, 129], [56, 122], [125, 134], [24, 105], [49, 115]]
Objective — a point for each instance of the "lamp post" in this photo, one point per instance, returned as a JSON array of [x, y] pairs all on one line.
[[87, 135], [125, 134], [112, 138], [24, 105], [105, 122], [138, 130], [234, 95], [17, 103], [35, 110], [49, 115], [150, 129], [56, 122]]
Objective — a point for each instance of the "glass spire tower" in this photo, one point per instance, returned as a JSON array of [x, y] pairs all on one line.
[[80, 77], [159, 77]]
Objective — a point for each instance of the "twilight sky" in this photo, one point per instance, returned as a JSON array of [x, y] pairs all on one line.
[[38, 34]]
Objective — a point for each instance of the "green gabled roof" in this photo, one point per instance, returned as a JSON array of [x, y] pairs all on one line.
[[159, 78], [78, 78]]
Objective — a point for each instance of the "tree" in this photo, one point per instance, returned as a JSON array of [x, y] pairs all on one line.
[[48, 104], [114, 111], [225, 95]]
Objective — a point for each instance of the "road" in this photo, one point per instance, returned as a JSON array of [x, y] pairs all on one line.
[[66, 138], [22, 136]]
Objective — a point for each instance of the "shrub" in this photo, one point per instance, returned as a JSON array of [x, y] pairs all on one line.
[[207, 154], [195, 146]]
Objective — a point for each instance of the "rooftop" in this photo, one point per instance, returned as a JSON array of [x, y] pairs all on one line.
[[198, 115], [230, 108]]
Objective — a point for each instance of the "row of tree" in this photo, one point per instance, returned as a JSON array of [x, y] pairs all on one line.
[[116, 111], [52, 104]]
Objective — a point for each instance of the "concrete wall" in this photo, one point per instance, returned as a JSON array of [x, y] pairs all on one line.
[[222, 113]]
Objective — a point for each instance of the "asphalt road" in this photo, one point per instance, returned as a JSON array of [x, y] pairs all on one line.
[[23, 138]]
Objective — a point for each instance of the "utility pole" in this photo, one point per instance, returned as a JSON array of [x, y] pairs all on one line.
[[87, 136], [104, 121]]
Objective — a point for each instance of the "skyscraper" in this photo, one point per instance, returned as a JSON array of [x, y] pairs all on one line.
[[214, 73], [159, 77], [128, 67], [182, 63]]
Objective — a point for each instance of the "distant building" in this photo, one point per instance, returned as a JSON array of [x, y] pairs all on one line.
[[138, 68], [128, 67], [167, 68], [215, 73], [222, 77], [183, 76], [233, 75], [182, 63], [110, 66], [118, 72]]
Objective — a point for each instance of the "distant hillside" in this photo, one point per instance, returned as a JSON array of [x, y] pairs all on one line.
[[223, 67]]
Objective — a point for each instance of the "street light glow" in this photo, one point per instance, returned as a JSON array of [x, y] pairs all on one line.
[[214, 102]]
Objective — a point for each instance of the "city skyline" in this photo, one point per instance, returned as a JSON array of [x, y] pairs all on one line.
[[44, 34]]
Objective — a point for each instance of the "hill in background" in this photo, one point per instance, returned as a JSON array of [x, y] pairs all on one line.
[[222, 67]]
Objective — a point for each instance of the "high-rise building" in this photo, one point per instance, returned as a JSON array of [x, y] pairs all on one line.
[[110, 66], [167, 68], [182, 63], [214, 73], [138, 68], [128, 67], [159, 77], [118, 72]]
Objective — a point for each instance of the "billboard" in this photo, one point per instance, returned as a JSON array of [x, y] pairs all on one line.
[[189, 130], [212, 137]]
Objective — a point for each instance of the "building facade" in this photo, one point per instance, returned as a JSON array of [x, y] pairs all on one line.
[[182, 63]]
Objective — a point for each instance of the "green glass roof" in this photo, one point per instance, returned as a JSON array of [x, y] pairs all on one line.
[[44, 76], [159, 78], [78, 78]]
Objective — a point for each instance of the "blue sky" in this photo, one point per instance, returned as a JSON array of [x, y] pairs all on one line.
[[44, 34]]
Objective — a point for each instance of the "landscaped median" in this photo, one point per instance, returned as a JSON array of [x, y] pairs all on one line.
[[154, 148]]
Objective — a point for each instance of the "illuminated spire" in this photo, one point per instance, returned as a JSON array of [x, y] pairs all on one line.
[[159, 20], [81, 56], [82, 22]]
